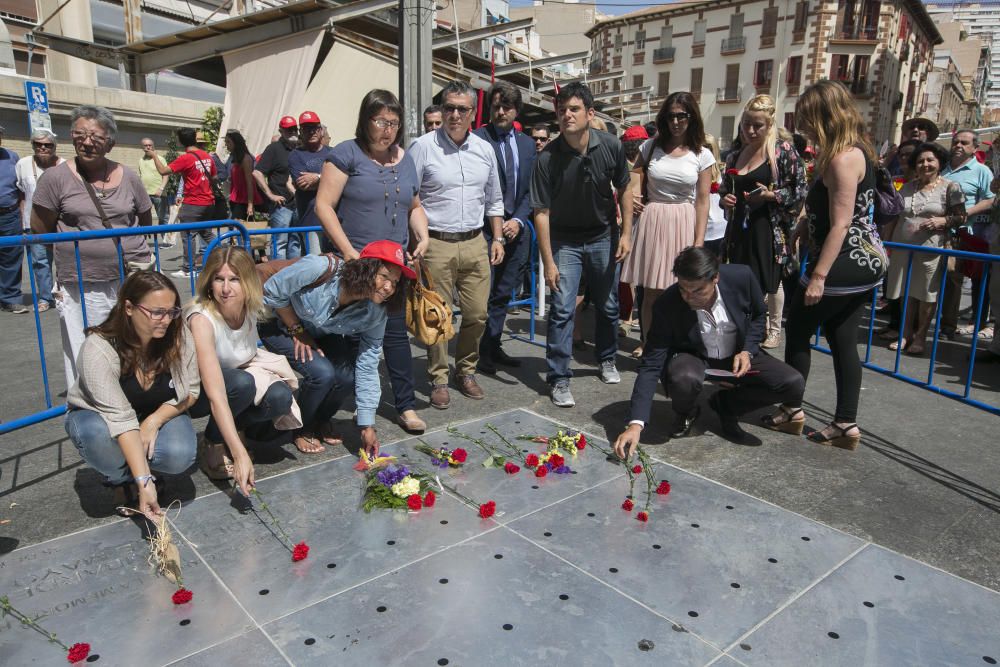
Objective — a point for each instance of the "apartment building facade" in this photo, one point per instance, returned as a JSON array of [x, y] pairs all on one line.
[[981, 19], [726, 52]]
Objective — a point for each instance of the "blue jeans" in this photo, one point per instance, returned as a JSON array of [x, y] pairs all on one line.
[[286, 246], [162, 208], [11, 259], [326, 381], [596, 262], [41, 264], [174, 452], [240, 390]]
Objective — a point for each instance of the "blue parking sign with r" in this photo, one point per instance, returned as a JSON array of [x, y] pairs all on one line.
[[36, 96]]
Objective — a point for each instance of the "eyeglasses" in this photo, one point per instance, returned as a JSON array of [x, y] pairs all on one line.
[[383, 124], [540, 139], [96, 139], [38, 144], [159, 314], [451, 108], [679, 117]]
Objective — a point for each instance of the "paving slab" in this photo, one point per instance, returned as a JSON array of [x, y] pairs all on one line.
[[253, 648]]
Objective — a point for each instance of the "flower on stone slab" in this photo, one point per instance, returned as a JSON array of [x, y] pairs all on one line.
[[664, 488], [531, 460], [414, 502], [78, 652], [300, 552], [511, 468], [487, 509], [581, 441], [556, 460], [628, 505], [181, 596], [637, 469], [429, 499], [406, 487], [642, 516], [541, 471], [459, 455]]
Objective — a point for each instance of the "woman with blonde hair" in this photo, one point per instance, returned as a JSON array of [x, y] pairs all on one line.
[[242, 385], [846, 257], [763, 191], [715, 231], [673, 176]]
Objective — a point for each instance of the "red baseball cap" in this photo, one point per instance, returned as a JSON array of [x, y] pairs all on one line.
[[390, 252], [635, 132], [287, 122], [308, 117]]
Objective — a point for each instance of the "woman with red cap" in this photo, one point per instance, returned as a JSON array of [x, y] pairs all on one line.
[[331, 322]]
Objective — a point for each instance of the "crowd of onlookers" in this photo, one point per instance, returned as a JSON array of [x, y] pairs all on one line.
[[708, 254]]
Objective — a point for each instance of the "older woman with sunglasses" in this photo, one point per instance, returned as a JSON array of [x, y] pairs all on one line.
[[28, 170], [138, 376]]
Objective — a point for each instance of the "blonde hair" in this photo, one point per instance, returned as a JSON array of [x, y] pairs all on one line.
[[713, 145], [241, 263], [828, 111], [764, 104], [598, 124]]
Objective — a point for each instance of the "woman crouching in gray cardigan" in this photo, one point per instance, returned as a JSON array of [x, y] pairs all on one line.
[[138, 374]]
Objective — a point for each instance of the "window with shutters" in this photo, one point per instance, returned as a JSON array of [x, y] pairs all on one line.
[[696, 74], [663, 84], [769, 27], [762, 73]]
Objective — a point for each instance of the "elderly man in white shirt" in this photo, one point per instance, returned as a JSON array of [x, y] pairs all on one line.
[[459, 188]]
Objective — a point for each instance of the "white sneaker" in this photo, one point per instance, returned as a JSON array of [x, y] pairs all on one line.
[[772, 341], [181, 273], [609, 374], [561, 396]]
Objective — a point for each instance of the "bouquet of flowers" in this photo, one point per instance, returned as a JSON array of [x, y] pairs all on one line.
[[569, 443], [494, 457], [443, 457], [396, 487], [76, 653], [366, 461]]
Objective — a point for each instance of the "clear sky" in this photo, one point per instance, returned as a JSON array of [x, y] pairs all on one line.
[[614, 7]]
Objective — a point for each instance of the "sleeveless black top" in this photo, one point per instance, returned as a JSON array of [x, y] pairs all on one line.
[[862, 261]]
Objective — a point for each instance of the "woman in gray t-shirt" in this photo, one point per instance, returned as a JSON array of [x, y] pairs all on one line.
[[62, 204]]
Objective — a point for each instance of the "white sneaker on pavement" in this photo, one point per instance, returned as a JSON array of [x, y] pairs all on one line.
[[609, 374]]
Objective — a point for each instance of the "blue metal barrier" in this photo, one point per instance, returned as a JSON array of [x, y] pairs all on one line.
[[928, 383], [76, 238]]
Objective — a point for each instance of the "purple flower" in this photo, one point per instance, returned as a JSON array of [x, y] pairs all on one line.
[[392, 474], [549, 466], [562, 470], [435, 462], [443, 464]]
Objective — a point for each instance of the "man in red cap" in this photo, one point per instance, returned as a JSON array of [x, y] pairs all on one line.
[[305, 164], [275, 181]]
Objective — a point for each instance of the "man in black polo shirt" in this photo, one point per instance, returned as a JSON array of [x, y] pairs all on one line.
[[275, 181], [576, 218]]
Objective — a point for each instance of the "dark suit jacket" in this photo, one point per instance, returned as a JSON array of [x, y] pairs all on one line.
[[525, 164], [675, 329]]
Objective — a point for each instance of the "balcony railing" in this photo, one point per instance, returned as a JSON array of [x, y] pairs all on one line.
[[860, 87], [664, 54], [856, 33], [729, 94], [639, 58], [698, 50], [734, 45]]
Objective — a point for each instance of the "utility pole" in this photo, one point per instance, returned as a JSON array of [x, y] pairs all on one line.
[[416, 28], [133, 33]]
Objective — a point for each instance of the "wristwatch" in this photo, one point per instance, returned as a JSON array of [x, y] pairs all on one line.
[[502, 240], [296, 329]]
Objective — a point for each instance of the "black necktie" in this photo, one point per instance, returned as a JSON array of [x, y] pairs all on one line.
[[509, 177]]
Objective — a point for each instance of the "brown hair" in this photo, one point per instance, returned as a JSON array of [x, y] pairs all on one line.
[[357, 276], [162, 353], [694, 137], [829, 112]]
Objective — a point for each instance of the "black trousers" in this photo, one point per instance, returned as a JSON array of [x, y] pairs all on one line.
[[840, 317], [506, 277], [770, 381]]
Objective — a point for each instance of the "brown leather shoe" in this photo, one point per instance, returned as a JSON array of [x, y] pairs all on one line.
[[411, 423], [440, 398], [469, 387]]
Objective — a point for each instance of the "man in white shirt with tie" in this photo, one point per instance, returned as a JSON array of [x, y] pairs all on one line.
[[459, 188], [712, 320]]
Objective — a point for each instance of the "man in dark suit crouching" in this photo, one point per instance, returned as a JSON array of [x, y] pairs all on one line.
[[712, 318]]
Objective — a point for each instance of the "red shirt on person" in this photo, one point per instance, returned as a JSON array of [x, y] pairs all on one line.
[[197, 169]]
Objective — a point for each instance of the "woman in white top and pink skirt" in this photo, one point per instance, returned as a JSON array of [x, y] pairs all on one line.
[[673, 174]]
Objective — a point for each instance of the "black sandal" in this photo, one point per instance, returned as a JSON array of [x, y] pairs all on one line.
[[843, 440]]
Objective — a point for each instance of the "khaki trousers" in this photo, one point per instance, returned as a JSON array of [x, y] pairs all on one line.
[[463, 267]]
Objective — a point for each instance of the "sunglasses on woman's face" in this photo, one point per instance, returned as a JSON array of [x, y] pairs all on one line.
[[679, 117]]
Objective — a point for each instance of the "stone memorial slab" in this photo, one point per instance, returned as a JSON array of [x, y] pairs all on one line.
[[493, 600], [881, 608], [253, 648], [320, 505], [715, 559], [97, 587], [522, 493]]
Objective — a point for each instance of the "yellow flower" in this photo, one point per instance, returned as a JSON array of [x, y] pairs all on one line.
[[406, 487]]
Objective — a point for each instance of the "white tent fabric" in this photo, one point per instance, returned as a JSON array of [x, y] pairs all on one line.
[[265, 82]]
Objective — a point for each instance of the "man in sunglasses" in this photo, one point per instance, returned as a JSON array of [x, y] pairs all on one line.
[[28, 169], [573, 193], [274, 179], [459, 189], [540, 135], [305, 164]]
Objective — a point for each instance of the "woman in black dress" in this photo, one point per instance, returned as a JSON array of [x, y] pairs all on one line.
[[846, 257], [763, 191]]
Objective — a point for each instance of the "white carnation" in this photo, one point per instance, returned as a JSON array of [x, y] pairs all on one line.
[[406, 487]]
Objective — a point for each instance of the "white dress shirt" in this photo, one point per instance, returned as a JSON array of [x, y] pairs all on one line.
[[718, 332], [459, 185]]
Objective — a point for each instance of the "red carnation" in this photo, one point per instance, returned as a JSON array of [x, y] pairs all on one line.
[[429, 499], [642, 516], [556, 460], [732, 172], [414, 502], [300, 552], [181, 596], [78, 652], [664, 488], [511, 468], [487, 509], [637, 469], [715, 188], [459, 455], [531, 460], [628, 505], [541, 471], [582, 442]]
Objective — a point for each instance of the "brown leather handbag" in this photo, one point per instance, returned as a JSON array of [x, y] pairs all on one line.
[[428, 317]]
